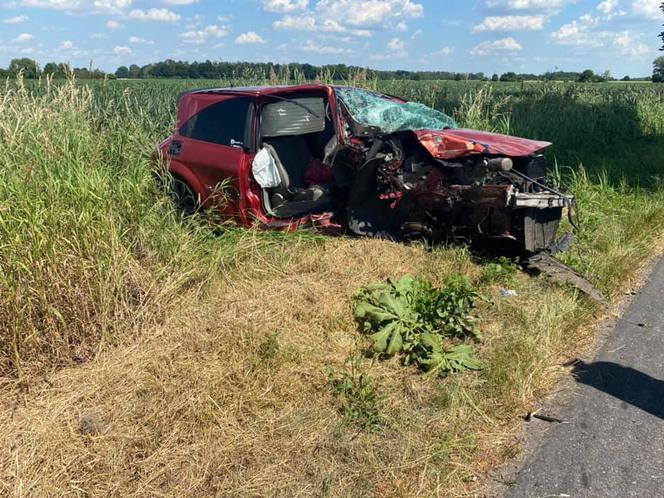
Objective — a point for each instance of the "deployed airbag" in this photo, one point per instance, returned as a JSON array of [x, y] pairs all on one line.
[[293, 117], [265, 170]]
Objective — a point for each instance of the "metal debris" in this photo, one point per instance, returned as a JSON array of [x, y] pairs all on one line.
[[561, 273]]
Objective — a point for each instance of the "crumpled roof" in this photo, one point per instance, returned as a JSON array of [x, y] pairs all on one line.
[[372, 109]]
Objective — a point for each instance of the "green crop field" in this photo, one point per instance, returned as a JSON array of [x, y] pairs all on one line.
[[227, 362]]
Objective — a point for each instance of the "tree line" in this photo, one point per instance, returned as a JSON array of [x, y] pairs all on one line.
[[294, 71], [658, 65]]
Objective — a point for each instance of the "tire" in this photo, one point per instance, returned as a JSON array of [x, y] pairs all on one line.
[[184, 196]]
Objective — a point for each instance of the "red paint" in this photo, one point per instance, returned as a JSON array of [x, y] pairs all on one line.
[[452, 144]]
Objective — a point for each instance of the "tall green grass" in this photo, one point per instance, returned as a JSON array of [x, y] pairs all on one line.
[[91, 250]]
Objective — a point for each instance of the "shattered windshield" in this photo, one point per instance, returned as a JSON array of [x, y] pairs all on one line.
[[372, 109]]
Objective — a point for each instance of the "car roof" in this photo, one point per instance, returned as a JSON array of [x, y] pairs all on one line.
[[257, 90]]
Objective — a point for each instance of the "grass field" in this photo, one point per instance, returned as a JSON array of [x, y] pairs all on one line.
[[209, 365]]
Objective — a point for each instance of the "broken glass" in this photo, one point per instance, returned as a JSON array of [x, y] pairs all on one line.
[[374, 110]]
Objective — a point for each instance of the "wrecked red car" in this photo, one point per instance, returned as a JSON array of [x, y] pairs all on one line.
[[368, 163]]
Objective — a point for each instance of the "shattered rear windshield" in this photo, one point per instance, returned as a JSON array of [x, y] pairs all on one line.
[[372, 109]]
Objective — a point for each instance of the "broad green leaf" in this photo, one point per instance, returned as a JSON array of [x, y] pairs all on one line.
[[404, 285], [396, 342], [464, 356], [393, 304], [371, 313], [380, 339], [431, 341]]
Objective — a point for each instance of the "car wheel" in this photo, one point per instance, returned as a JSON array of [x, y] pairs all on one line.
[[184, 196]]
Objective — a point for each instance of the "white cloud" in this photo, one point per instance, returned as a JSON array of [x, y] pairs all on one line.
[[447, 50], [250, 37], [112, 5], [284, 6], [511, 23], [310, 23], [180, 2], [15, 20], [607, 6], [296, 23], [122, 50], [396, 45], [98, 36], [139, 41], [504, 45], [586, 34], [23, 38], [532, 5], [369, 12], [628, 44], [401, 26], [396, 48], [310, 46], [67, 45], [355, 17], [200, 36], [52, 4], [575, 33], [648, 9], [113, 24], [158, 15], [90, 6]]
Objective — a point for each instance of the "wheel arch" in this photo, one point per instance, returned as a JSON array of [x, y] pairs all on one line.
[[184, 174]]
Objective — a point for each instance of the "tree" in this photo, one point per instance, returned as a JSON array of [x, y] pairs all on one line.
[[589, 76], [134, 71], [494, 77], [29, 67], [50, 68], [510, 76], [122, 72], [658, 70], [661, 35]]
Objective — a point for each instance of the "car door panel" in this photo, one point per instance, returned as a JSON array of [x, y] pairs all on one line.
[[217, 168]]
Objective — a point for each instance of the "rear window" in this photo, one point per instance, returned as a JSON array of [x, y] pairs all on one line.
[[224, 123]]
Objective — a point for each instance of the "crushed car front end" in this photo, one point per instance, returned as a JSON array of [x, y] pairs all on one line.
[[418, 176]]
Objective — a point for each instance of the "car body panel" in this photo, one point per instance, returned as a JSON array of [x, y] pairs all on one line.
[[455, 143]]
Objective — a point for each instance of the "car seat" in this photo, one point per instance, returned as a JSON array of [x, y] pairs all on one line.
[[291, 155]]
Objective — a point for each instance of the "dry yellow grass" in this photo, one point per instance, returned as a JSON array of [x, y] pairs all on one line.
[[200, 407]]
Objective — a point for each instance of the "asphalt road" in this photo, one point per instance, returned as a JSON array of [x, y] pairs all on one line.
[[613, 443]]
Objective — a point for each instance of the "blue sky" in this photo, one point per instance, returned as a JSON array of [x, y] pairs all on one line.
[[454, 35]]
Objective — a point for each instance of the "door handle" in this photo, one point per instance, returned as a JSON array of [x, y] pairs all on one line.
[[175, 148]]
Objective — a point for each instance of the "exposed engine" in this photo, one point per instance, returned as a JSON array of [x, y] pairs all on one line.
[[402, 192]]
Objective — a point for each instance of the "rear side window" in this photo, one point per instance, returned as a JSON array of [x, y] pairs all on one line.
[[224, 123]]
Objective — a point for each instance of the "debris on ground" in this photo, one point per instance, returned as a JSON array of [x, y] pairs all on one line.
[[507, 293], [91, 424], [559, 272], [531, 415]]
